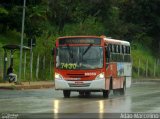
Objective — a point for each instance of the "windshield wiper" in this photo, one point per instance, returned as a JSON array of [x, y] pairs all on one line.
[[87, 49]]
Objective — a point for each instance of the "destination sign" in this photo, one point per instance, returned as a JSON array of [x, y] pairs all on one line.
[[96, 41]]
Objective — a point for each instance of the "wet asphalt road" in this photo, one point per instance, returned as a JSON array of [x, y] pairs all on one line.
[[141, 97]]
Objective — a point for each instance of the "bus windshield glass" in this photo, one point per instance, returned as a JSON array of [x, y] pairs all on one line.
[[79, 57]]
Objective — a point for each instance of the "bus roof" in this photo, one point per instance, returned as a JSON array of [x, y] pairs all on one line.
[[78, 37], [115, 41], [106, 40]]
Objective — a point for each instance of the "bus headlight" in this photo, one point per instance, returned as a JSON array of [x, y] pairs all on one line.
[[58, 76], [100, 76]]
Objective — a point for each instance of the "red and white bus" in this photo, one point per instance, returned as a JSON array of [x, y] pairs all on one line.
[[92, 64]]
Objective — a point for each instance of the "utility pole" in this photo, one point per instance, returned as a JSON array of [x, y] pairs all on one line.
[[21, 47]]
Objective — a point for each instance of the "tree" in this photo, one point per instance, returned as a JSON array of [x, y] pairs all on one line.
[[76, 11], [36, 16], [145, 17]]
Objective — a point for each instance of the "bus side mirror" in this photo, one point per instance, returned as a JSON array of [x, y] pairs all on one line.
[[52, 52]]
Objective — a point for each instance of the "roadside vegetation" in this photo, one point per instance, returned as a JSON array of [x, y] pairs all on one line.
[[137, 21]]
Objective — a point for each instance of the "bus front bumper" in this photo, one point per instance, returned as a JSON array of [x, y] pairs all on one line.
[[80, 85]]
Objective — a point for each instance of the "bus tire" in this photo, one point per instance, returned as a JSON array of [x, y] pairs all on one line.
[[66, 93], [105, 93], [115, 91]]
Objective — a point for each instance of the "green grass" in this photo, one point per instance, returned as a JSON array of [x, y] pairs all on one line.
[[141, 55]]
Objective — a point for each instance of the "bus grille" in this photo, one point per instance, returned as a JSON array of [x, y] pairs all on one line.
[[79, 85], [77, 75]]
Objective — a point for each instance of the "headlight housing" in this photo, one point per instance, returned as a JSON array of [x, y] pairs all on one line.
[[100, 76], [58, 76]]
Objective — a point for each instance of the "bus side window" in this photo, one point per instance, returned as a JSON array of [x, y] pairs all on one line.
[[122, 49], [126, 49], [115, 48], [129, 50], [118, 48], [112, 48]]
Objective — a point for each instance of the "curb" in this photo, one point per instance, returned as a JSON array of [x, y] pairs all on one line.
[[6, 88]]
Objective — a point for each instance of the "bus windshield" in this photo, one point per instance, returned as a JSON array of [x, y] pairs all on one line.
[[79, 57]]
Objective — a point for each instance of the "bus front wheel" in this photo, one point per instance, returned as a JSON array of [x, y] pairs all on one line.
[[106, 93], [115, 91], [66, 93]]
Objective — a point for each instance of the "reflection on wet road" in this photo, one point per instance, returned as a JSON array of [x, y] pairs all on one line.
[[92, 105], [141, 97]]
